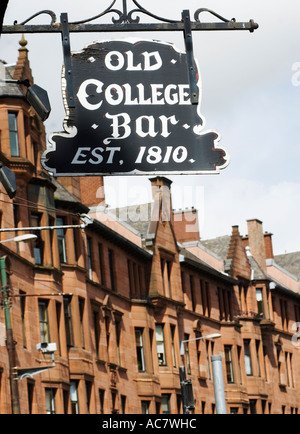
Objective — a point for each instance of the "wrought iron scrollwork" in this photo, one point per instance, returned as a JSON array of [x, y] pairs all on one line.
[[125, 17], [48, 12], [201, 10]]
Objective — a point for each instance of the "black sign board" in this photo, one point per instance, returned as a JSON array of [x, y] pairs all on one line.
[[133, 115]]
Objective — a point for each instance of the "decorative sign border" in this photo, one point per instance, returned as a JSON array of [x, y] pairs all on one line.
[[189, 150]]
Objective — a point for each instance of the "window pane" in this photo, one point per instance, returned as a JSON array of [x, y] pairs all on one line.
[[44, 327], [248, 364], [160, 345], [139, 349], [61, 241], [13, 135]]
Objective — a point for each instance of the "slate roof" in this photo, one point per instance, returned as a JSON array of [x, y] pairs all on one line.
[[219, 245], [10, 89], [290, 262], [136, 216]]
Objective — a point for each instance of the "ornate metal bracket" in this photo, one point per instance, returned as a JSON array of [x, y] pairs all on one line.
[[129, 21]]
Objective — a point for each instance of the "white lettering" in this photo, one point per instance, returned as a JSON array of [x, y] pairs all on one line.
[[116, 127], [183, 94], [114, 94], [131, 66], [95, 154], [112, 153], [151, 126], [174, 99], [80, 154], [164, 122], [82, 95], [128, 100], [108, 61], [156, 94], [154, 66]]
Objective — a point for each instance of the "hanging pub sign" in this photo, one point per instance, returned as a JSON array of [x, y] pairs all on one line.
[[133, 115]]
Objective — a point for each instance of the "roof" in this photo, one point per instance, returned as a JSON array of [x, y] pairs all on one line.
[[63, 195], [290, 262], [9, 89], [219, 245], [136, 216]]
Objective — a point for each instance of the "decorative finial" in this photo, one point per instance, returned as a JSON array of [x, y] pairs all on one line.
[[23, 44]]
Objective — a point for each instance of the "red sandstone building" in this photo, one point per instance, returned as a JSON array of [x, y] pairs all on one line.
[[118, 297]]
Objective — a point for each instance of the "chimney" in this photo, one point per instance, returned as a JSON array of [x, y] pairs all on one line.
[[72, 184], [268, 245], [92, 190], [186, 225], [256, 242], [161, 195]]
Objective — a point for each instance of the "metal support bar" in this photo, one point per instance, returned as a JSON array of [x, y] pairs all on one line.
[[67, 58], [131, 27], [194, 91]]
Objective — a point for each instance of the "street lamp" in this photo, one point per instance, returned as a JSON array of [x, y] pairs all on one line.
[[186, 385], [10, 343], [19, 238]]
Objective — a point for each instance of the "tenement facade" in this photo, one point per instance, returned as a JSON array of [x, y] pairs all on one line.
[[118, 291]]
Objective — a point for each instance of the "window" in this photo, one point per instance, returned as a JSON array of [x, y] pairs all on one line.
[[96, 332], [173, 327], [101, 264], [68, 321], [160, 344], [61, 241], [253, 406], [50, 400], [38, 244], [257, 344], [123, 404], [204, 286], [81, 312], [58, 315], [259, 300], [209, 353], [101, 399], [166, 269], [289, 369], [248, 364], [239, 351], [114, 410], [13, 135], [118, 336], [90, 259], [140, 349], [229, 364], [225, 304], [165, 404], [30, 394], [145, 407], [192, 293], [111, 261], [44, 324], [74, 397], [284, 314], [88, 391], [187, 353], [22, 305]]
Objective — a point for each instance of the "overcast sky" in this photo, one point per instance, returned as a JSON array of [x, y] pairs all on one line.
[[251, 96]]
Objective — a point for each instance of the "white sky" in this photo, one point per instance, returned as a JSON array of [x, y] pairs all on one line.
[[250, 96]]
